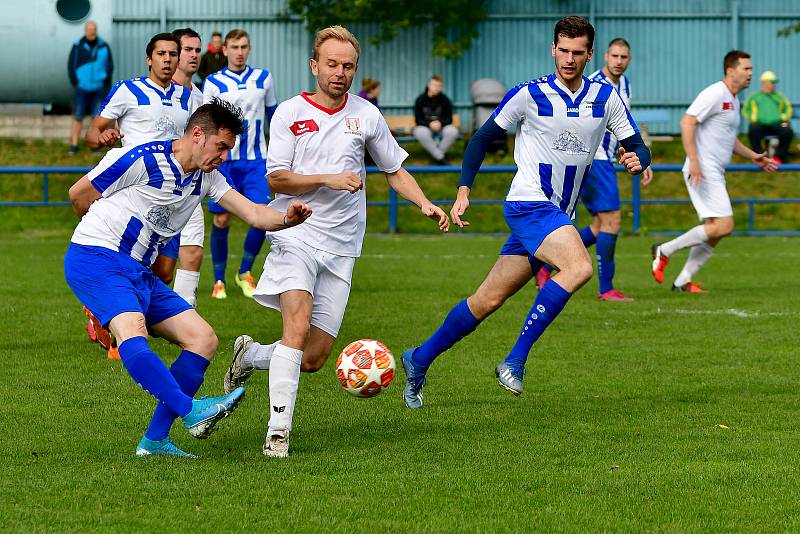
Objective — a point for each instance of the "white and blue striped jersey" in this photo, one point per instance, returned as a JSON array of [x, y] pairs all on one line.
[[147, 112], [253, 90], [610, 146], [146, 198], [558, 133]]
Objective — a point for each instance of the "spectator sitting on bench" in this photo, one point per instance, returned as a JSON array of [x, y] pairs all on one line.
[[433, 112], [370, 91], [769, 113]]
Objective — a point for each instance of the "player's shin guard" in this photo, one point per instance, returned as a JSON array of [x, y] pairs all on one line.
[[550, 300], [185, 285], [588, 237], [188, 371], [459, 323], [606, 244], [147, 369], [698, 256], [219, 251], [253, 242], [284, 378]]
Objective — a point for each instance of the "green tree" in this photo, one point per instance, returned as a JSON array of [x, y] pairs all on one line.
[[455, 22]]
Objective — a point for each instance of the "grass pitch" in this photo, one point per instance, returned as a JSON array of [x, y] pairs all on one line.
[[676, 412]]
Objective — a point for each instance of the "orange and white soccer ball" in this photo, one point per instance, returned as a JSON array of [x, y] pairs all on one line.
[[365, 368]]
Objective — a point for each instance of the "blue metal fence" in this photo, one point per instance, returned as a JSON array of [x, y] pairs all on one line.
[[636, 201]]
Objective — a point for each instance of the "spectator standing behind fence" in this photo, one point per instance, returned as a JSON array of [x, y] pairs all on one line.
[[769, 113], [90, 66], [214, 59], [433, 112], [370, 91]]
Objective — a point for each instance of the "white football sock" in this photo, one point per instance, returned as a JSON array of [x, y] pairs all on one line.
[[698, 256], [284, 378], [258, 356], [693, 237], [185, 285]]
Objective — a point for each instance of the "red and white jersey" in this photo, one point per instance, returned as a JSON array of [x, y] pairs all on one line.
[[717, 112], [306, 138]]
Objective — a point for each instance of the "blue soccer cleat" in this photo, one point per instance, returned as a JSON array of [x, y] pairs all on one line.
[[415, 380], [510, 377], [162, 447], [207, 412]]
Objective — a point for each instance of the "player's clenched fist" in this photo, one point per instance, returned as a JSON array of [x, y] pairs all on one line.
[[436, 213], [296, 213], [109, 137], [630, 161], [346, 181]]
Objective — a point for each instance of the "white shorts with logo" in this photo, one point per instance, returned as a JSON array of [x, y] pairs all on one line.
[[711, 198], [296, 265], [194, 233]]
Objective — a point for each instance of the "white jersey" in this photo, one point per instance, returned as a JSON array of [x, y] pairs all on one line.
[[558, 133], [306, 138], [717, 112], [147, 112], [253, 90], [609, 147], [147, 198]]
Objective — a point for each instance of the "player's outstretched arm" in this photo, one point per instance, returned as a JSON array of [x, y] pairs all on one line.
[[762, 160], [405, 184], [82, 194], [261, 216], [101, 133], [291, 183]]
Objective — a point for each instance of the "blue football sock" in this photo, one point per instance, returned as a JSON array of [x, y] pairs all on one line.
[[147, 369], [458, 323], [587, 236], [188, 371], [606, 244], [219, 251], [550, 300], [252, 246]]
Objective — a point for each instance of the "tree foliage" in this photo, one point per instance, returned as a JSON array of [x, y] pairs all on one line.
[[454, 22], [789, 30]]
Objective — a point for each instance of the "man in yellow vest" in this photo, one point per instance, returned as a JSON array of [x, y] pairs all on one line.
[[769, 113]]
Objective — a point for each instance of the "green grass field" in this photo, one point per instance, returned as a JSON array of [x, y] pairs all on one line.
[[673, 413]]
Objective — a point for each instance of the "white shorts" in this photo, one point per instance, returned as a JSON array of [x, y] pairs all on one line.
[[194, 233], [296, 265], [711, 198]]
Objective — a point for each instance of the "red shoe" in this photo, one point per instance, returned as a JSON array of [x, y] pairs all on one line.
[[777, 160], [101, 335], [542, 277], [614, 295], [660, 262], [113, 352], [90, 331], [689, 287]]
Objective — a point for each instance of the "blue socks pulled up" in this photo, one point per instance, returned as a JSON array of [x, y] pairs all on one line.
[[188, 371], [587, 236], [252, 246], [458, 323], [606, 244], [219, 251]]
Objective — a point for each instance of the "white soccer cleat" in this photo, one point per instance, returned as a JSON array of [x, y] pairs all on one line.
[[276, 444]]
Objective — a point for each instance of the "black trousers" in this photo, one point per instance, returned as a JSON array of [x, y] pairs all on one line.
[[757, 132]]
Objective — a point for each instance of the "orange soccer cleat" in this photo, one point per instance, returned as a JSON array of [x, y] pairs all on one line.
[[660, 262], [688, 287], [101, 335], [219, 290]]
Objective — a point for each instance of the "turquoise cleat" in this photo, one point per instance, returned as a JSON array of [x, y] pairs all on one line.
[[415, 380], [163, 447], [207, 412]]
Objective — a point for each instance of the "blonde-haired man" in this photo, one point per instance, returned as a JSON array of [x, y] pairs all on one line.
[[316, 154]]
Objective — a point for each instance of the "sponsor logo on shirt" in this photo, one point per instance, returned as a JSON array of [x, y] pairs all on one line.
[[727, 105], [568, 141], [303, 127], [353, 124]]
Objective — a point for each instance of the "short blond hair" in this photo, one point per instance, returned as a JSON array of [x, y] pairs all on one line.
[[340, 33], [235, 34]]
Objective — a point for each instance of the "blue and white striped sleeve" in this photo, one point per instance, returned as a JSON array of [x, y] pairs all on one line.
[[120, 168], [116, 103], [512, 109], [620, 121]]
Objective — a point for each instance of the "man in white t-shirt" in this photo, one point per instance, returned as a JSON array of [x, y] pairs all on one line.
[[316, 154], [708, 130]]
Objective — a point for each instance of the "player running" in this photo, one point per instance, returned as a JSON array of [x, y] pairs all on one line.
[[708, 131], [560, 121], [133, 202], [253, 90], [316, 154]]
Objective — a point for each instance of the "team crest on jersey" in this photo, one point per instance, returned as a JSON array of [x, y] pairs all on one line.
[[166, 125], [159, 217], [353, 124], [303, 127], [570, 142]]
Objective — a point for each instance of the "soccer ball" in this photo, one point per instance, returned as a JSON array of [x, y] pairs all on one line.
[[365, 368]]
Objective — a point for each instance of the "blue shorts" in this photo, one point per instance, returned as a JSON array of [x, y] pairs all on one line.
[[110, 283], [247, 176], [530, 222], [87, 102], [172, 247], [599, 191]]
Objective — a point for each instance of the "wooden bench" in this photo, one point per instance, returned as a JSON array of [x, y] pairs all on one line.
[[644, 117], [402, 126]]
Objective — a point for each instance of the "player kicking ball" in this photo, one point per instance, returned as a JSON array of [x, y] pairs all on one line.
[[316, 154], [560, 121], [131, 204], [708, 131]]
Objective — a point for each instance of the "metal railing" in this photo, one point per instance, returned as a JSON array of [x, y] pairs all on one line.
[[393, 203]]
